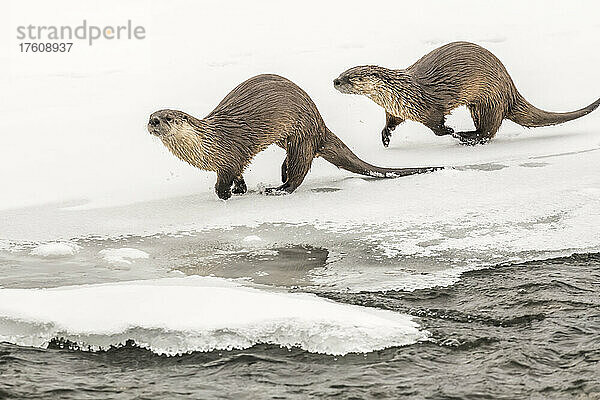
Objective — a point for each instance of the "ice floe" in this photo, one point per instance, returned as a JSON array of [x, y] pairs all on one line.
[[179, 315]]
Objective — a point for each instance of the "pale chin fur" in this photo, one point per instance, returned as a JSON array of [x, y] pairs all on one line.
[[186, 144]]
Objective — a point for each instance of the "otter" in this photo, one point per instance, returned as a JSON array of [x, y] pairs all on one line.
[[453, 75], [263, 110]]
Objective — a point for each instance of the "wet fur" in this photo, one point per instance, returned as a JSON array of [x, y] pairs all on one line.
[[264, 110], [450, 76]]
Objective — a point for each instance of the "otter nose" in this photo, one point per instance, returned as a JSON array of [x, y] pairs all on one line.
[[154, 121], [337, 82]]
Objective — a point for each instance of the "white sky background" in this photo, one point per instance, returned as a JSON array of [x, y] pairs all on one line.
[[73, 125]]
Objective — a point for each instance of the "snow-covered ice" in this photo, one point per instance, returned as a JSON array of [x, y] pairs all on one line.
[[179, 315]]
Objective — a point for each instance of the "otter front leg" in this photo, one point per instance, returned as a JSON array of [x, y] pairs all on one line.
[[239, 185], [391, 122], [223, 185]]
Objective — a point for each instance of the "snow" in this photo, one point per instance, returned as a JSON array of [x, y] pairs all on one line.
[[179, 315], [55, 250], [84, 184], [122, 255]]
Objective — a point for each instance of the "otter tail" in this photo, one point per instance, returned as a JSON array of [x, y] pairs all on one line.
[[525, 114], [337, 153]]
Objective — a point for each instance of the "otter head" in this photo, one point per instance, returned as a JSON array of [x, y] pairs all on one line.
[[360, 80], [167, 123]]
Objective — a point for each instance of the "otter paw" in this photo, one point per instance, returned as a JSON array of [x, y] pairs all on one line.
[[239, 188], [444, 130], [224, 194], [472, 140]]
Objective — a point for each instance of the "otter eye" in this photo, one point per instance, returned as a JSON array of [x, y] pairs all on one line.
[[169, 119]]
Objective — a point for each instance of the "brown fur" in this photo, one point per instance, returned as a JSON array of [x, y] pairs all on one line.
[[453, 75], [263, 110]]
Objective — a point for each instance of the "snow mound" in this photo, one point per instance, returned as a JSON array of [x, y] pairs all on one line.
[[58, 249], [123, 255], [178, 315]]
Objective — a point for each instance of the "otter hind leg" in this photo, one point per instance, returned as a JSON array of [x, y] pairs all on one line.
[[299, 158], [487, 121], [438, 125], [391, 122], [284, 171]]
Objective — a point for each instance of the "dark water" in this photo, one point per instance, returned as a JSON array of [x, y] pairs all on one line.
[[528, 330]]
